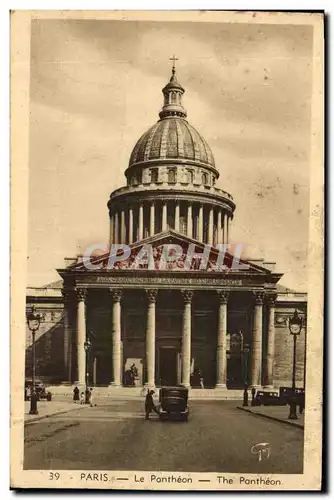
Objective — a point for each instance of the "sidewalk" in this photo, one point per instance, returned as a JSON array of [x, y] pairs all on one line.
[[48, 409], [278, 413]]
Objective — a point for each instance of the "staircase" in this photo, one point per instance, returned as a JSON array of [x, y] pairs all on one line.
[[139, 393]]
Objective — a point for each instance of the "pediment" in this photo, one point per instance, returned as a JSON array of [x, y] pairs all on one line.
[[170, 251]]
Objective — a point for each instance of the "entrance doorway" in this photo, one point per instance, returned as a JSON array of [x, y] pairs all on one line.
[[168, 366]]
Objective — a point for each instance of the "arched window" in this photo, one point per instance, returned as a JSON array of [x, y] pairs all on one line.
[[154, 175], [172, 175], [173, 97], [205, 178], [190, 176]]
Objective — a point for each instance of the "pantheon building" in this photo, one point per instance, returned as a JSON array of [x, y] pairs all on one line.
[[167, 321]]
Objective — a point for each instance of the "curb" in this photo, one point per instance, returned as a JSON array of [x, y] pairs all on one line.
[[276, 419], [48, 415]]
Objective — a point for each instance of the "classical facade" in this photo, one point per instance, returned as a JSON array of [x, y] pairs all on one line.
[[169, 301]]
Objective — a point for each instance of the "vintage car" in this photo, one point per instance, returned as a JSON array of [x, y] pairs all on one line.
[[268, 398], [173, 403], [40, 388]]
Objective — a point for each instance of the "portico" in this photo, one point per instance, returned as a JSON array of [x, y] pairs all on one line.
[[205, 319]]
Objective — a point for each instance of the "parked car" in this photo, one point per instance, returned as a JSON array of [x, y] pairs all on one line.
[[286, 393], [41, 391], [173, 403], [268, 398]]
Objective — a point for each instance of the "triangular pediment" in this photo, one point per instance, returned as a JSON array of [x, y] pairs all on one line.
[[170, 251]]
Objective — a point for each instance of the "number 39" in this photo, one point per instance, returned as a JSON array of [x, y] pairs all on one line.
[[54, 475]]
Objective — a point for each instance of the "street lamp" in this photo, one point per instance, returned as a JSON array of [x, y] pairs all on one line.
[[295, 326], [87, 346], [33, 321]]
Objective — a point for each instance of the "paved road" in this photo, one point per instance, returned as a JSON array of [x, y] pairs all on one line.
[[115, 436]]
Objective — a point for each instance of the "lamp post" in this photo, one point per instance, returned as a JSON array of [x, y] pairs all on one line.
[[295, 326], [87, 346], [33, 321]]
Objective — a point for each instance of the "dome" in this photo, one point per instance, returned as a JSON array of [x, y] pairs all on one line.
[[172, 138]]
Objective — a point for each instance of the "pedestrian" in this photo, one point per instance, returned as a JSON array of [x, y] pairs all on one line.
[[82, 398], [91, 397], [76, 394], [253, 396], [149, 404]]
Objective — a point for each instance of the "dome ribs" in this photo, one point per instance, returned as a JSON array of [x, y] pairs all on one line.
[[149, 142], [164, 139], [180, 139], [172, 140]]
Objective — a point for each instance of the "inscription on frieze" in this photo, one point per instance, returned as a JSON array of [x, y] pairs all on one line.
[[168, 281]]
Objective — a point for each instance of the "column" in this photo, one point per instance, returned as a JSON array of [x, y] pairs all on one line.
[[189, 221], [123, 237], [67, 337], [81, 336], [210, 233], [221, 233], [256, 375], [116, 337], [221, 340], [269, 361], [152, 219], [186, 338], [177, 216], [111, 237], [150, 338], [116, 228], [200, 224], [219, 225], [130, 225], [141, 222], [164, 216], [227, 228]]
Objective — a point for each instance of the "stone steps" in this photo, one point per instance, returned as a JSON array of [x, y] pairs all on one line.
[[140, 392]]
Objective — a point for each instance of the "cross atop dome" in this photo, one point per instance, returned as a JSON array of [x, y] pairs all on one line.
[[173, 59], [173, 92]]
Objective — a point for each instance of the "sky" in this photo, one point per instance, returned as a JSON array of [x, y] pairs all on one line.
[[95, 87]]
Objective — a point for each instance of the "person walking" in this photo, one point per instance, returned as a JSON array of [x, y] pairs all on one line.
[[76, 394], [91, 397], [82, 398], [149, 404]]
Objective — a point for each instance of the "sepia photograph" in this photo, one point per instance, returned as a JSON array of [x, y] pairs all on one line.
[[169, 193]]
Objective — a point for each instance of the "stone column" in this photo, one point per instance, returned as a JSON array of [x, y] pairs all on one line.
[[189, 221], [150, 338], [221, 340], [269, 361], [67, 337], [141, 222], [164, 216], [116, 337], [227, 228], [200, 224], [177, 216], [152, 219], [130, 225], [210, 233], [111, 233], [256, 367], [221, 234], [219, 226], [81, 336], [123, 228], [116, 227], [186, 338]]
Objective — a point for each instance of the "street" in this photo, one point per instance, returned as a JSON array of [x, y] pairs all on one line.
[[115, 436]]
